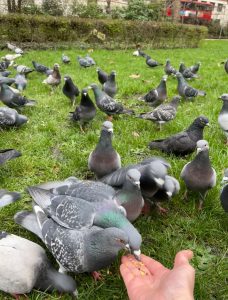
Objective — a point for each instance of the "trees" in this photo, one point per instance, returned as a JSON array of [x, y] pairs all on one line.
[[14, 6]]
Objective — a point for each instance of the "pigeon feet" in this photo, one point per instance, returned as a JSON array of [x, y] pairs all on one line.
[[17, 297], [200, 207], [161, 210], [96, 276], [185, 197], [146, 209], [226, 142], [82, 130]]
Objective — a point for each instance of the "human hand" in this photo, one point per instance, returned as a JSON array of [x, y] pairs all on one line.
[[150, 280]]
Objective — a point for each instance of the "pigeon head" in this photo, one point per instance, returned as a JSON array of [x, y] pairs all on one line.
[[200, 122], [21, 119], [66, 78], [164, 78], [93, 86], [56, 67], [156, 170], [224, 97], [179, 75], [202, 145], [133, 175], [171, 186], [225, 177], [107, 126], [176, 99], [168, 61], [98, 69], [85, 91]]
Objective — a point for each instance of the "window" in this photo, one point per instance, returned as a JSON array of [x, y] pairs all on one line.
[[220, 7]]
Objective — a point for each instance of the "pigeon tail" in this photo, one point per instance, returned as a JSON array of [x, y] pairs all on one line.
[[30, 102], [8, 197], [28, 221], [8, 154], [155, 144], [42, 197]]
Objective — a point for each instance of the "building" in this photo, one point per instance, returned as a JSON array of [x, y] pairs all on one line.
[[220, 11]]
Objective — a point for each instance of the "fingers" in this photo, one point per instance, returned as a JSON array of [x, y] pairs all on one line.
[[182, 258], [134, 267], [127, 276], [152, 265]]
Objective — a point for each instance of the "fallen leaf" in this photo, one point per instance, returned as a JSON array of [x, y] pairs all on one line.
[[135, 134], [135, 76]]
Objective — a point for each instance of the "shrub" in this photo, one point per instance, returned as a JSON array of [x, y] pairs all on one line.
[[52, 7], [115, 33], [92, 10]]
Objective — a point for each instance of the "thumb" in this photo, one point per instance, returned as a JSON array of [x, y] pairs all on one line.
[[183, 257]]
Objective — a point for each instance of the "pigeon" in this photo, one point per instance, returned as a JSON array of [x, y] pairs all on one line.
[[70, 90], [184, 142], [83, 62], [185, 90], [11, 46], [7, 197], [188, 74], [107, 104], [7, 80], [158, 95], [102, 76], [41, 68], [85, 111], [170, 188], [163, 113], [90, 60], [226, 66], [109, 87], [152, 63], [24, 265], [65, 59], [10, 57], [195, 68], [104, 160], [5, 73], [224, 192], [223, 116], [20, 82], [8, 154], [14, 48], [12, 99], [169, 70], [153, 172], [139, 52], [21, 69], [53, 79], [4, 65], [76, 251], [182, 67], [127, 198], [10, 117], [198, 174]]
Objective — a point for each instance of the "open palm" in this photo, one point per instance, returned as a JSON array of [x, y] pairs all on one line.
[[150, 280]]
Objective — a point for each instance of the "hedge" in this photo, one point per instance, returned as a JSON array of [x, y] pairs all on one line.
[[106, 33]]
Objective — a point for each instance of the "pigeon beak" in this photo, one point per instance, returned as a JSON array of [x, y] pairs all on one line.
[[225, 179], [198, 150], [110, 130], [208, 124], [84, 94], [89, 87], [169, 194], [137, 183], [75, 294], [160, 182], [137, 254]]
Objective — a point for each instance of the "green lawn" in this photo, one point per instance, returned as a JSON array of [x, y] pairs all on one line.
[[53, 148]]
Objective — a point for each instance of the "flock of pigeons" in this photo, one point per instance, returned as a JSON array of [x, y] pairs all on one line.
[[83, 223]]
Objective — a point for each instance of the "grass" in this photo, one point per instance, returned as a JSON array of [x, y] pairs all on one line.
[[53, 148]]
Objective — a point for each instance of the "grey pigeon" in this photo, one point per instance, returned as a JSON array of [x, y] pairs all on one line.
[[90, 60], [10, 117], [65, 59], [182, 67], [153, 172], [6, 80], [128, 198], [8, 154], [14, 48], [170, 188], [224, 192], [21, 69], [163, 113], [20, 82], [158, 95], [53, 79], [80, 214], [198, 174], [102, 76], [185, 90], [85, 111], [4, 65], [195, 68], [184, 142], [110, 87], [151, 62], [24, 265], [169, 70], [226, 66], [83, 62], [75, 251], [107, 104], [223, 116], [12, 99], [5, 73], [41, 68], [70, 90], [104, 159], [7, 197], [188, 74]]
